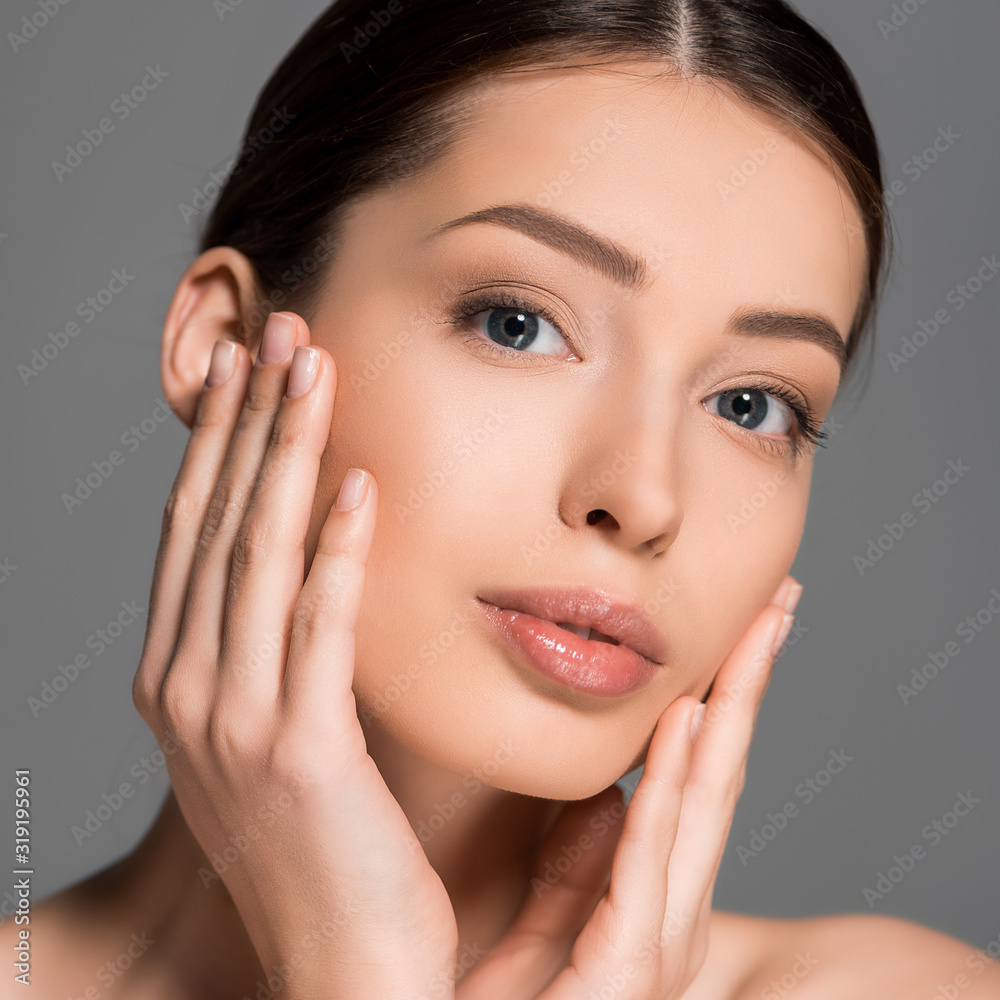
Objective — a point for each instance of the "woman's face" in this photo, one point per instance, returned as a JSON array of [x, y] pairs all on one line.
[[488, 460]]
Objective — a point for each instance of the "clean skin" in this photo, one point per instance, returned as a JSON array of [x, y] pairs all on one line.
[[613, 408]]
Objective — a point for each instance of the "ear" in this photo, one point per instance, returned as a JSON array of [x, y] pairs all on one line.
[[217, 298]]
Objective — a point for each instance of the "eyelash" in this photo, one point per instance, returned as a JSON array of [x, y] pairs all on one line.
[[808, 429], [485, 301]]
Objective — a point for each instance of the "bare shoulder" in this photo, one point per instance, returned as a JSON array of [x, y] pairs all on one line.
[[867, 957], [58, 927], [10, 939], [16, 945]]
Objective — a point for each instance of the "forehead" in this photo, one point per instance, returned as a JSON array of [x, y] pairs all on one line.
[[683, 172]]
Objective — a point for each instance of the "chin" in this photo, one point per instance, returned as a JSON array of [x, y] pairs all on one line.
[[529, 748]]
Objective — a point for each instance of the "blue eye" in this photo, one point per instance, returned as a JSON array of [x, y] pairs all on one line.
[[765, 409], [512, 326], [754, 410]]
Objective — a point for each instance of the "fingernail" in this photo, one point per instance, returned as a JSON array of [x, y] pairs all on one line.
[[778, 597], [696, 716], [222, 364], [792, 597], [302, 374], [351, 489], [782, 635], [279, 335]]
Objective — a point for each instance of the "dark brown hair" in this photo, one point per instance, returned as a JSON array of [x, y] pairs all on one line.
[[371, 94]]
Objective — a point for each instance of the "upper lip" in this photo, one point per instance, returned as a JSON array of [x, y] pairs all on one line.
[[587, 606]]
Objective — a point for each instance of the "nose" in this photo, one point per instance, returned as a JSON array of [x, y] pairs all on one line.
[[626, 484]]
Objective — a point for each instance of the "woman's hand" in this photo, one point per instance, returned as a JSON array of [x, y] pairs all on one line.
[[248, 672], [644, 935]]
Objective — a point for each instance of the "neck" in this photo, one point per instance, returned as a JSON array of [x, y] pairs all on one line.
[[482, 841], [483, 851]]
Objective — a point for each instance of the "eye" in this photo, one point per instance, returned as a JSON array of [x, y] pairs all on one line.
[[754, 410], [509, 324], [776, 419]]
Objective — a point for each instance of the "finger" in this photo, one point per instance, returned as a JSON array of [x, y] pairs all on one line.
[[719, 760], [626, 927], [569, 879], [211, 431], [269, 552], [637, 892], [319, 668], [203, 621]]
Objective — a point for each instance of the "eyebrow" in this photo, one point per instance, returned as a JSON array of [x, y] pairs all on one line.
[[597, 252], [632, 272], [811, 327]]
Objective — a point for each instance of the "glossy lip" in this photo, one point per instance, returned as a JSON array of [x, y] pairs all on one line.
[[526, 618]]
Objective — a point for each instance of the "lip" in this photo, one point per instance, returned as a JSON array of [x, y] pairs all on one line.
[[526, 619]]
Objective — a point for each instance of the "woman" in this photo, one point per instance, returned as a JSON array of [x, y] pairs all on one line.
[[392, 735]]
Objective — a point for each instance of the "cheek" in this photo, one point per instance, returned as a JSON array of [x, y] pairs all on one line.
[[434, 455], [736, 546], [741, 545]]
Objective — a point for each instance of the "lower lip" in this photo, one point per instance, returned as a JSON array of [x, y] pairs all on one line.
[[598, 668]]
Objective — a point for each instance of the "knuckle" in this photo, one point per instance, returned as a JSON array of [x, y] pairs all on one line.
[[225, 502], [309, 616], [144, 694], [253, 544], [229, 735], [335, 584], [179, 511], [336, 544], [208, 417], [317, 609], [259, 399], [337, 579], [278, 465], [290, 435], [670, 784], [179, 708]]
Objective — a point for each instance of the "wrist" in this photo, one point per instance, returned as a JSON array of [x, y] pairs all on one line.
[[319, 966]]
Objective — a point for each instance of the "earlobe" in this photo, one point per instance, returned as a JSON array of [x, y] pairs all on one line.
[[214, 300]]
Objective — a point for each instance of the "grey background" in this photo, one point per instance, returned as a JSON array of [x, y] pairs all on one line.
[[835, 689]]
